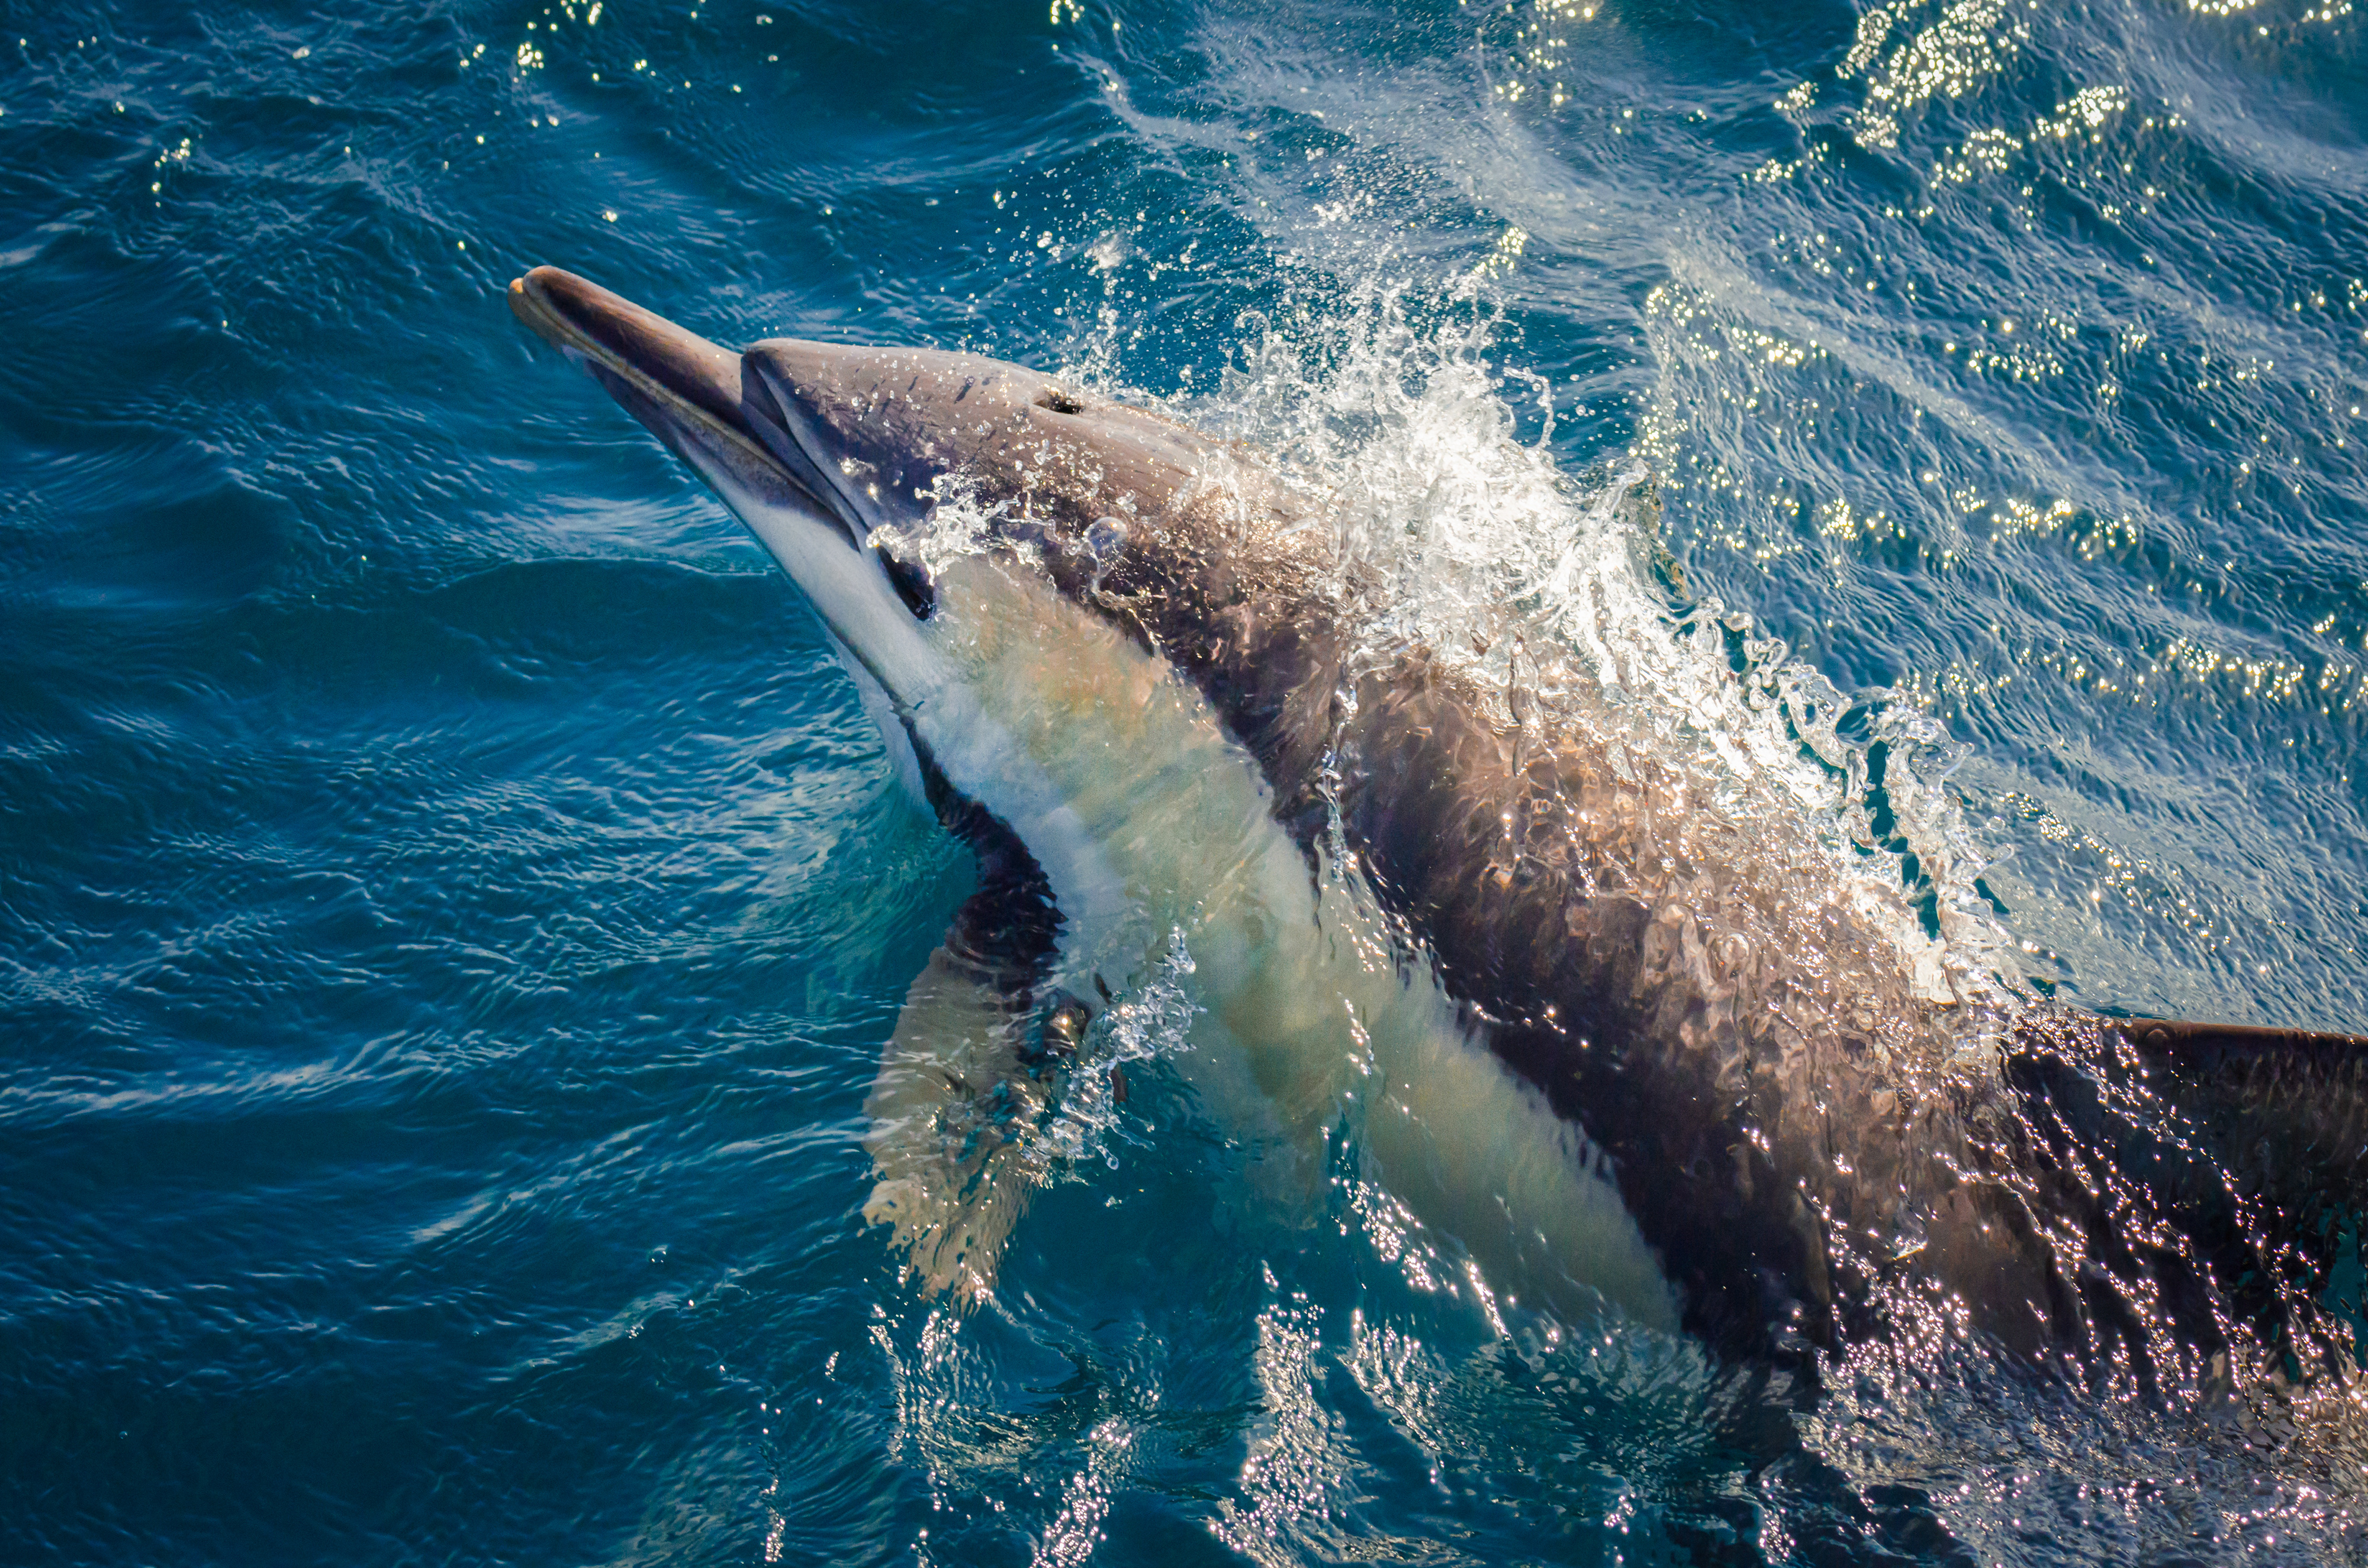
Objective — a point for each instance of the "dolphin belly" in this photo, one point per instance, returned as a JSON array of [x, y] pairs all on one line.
[[1305, 1007]]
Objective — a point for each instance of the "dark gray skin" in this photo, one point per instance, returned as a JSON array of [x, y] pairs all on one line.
[[1781, 1133]]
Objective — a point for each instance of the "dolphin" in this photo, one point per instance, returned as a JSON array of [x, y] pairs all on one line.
[[1129, 665]]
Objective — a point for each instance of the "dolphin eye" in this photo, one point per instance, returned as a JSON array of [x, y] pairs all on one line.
[[911, 581], [1059, 402]]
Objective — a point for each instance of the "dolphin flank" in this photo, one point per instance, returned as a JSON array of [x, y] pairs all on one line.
[[1701, 1101]]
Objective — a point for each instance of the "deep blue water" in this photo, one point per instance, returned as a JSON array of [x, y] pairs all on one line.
[[451, 902]]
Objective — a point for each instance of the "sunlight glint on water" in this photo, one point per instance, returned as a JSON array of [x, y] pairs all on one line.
[[451, 906]]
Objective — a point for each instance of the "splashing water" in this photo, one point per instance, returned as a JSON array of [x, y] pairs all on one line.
[[454, 905], [1151, 1022], [1558, 593], [1786, 800]]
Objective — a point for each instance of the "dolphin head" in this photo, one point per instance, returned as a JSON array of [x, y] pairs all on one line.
[[836, 455], [1190, 545], [711, 408], [1047, 459]]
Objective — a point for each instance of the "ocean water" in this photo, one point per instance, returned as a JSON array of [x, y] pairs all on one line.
[[452, 904]]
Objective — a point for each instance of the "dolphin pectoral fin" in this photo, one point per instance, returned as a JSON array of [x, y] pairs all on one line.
[[953, 1110]]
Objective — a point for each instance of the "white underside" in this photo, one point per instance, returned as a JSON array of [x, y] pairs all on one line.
[[1149, 823], [1307, 1014], [913, 695]]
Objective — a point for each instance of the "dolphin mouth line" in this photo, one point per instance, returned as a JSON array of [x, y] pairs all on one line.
[[687, 378]]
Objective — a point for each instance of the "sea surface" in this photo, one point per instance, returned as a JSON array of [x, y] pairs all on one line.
[[451, 903]]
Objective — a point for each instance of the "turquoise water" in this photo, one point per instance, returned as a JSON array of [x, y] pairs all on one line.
[[451, 902]]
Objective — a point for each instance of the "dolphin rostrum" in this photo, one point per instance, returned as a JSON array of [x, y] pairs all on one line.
[[1610, 1063]]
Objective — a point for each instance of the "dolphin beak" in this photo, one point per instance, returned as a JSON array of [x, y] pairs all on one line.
[[690, 391], [657, 359]]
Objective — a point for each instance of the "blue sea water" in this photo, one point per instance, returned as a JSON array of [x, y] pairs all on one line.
[[451, 903]]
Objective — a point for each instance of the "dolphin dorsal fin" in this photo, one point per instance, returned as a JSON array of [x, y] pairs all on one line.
[[2167, 1035], [2249, 1143], [2289, 1106]]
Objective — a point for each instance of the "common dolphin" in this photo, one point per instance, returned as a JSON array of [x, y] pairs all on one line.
[[1733, 1107]]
